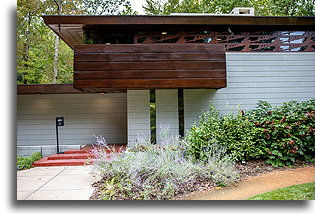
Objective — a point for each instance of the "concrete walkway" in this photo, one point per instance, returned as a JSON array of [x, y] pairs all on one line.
[[55, 183]]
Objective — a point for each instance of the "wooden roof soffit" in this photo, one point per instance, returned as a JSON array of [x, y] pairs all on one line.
[[70, 28], [60, 89], [47, 89]]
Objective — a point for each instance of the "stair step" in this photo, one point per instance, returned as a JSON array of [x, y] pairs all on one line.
[[71, 156], [75, 157], [76, 151], [68, 162]]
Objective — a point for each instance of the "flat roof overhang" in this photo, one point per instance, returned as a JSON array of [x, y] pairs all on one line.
[[70, 28], [58, 89]]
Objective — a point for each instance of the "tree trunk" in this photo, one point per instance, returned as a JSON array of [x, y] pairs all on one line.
[[27, 46], [56, 71], [57, 41]]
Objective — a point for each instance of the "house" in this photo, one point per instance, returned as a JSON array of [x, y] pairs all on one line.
[[181, 60]]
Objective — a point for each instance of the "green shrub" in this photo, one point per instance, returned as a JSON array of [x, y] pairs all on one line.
[[287, 131], [233, 131], [280, 134], [26, 162]]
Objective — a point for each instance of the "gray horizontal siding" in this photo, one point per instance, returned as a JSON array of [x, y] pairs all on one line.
[[273, 77], [138, 114], [85, 115], [166, 113]]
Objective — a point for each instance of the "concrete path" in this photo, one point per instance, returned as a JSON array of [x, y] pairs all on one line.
[[257, 185], [55, 183]]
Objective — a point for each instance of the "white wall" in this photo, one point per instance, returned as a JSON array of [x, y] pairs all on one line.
[[138, 102], [273, 77], [166, 111], [85, 115]]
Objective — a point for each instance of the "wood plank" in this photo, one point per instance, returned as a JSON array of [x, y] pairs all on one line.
[[165, 65], [152, 83], [152, 74], [140, 57], [149, 66], [47, 89], [147, 48]]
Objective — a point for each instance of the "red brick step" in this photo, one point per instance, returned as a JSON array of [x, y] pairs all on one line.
[[65, 162], [75, 157], [76, 151], [70, 156]]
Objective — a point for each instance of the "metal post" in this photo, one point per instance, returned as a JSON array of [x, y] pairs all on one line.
[[58, 123], [57, 138]]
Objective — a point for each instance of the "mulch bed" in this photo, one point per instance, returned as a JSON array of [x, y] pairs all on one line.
[[246, 170], [254, 168]]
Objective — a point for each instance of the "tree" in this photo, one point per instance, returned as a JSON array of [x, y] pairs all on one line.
[[106, 7], [27, 20], [41, 56], [293, 7], [262, 7]]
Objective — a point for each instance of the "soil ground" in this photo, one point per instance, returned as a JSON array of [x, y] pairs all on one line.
[[253, 185]]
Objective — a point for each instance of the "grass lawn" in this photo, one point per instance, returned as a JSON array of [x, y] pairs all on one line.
[[295, 192]]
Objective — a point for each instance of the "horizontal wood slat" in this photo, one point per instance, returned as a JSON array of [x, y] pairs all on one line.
[[152, 83], [152, 74], [149, 66], [148, 57], [147, 48], [165, 65], [47, 89]]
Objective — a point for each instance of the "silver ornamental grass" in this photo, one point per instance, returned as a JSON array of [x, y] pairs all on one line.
[[159, 170]]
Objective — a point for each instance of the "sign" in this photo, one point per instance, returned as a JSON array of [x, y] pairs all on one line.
[[60, 121]]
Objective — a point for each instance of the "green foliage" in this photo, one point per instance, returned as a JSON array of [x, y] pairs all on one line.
[[292, 7], [280, 134], [287, 131], [158, 172], [107, 7], [35, 41], [262, 7], [233, 131], [26, 162], [296, 192]]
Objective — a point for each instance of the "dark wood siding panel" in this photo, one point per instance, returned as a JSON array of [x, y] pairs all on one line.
[[148, 57], [147, 48], [149, 66], [152, 83], [47, 89], [165, 65], [152, 74]]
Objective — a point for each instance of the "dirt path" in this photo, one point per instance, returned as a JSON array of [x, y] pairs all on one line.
[[257, 185]]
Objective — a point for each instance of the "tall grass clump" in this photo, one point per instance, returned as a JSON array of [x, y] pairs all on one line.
[[157, 171]]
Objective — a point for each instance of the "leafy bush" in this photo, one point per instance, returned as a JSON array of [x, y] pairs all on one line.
[[233, 131], [287, 131], [26, 162], [157, 172], [280, 134]]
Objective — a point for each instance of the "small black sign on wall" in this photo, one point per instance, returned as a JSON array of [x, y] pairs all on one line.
[[60, 121]]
